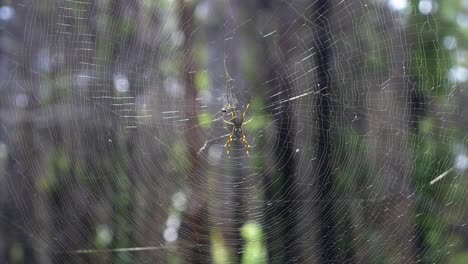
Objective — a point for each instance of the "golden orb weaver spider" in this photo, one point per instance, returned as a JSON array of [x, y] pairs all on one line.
[[237, 121]]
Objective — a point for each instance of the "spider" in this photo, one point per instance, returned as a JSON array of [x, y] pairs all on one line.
[[237, 120]]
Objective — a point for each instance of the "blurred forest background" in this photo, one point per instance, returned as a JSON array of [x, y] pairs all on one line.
[[112, 134]]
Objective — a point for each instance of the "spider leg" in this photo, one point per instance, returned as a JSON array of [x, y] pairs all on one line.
[[229, 141], [245, 111], [233, 112], [246, 122], [244, 141], [227, 122]]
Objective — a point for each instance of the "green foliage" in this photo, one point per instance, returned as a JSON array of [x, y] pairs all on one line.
[[205, 120], [255, 250], [430, 66], [202, 81], [125, 28], [259, 118], [449, 10], [17, 253], [432, 153], [169, 67], [431, 157], [460, 258], [80, 171], [103, 237], [58, 165], [248, 59], [123, 185], [179, 154], [104, 50], [105, 4], [347, 181], [201, 55], [376, 57], [63, 163], [219, 251]]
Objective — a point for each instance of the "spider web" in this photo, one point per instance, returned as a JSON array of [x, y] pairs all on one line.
[[113, 140]]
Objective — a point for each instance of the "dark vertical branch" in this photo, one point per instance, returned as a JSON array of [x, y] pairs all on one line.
[[417, 106], [281, 210], [195, 228], [417, 111], [19, 213], [285, 163], [325, 141], [122, 206], [268, 217], [239, 208]]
